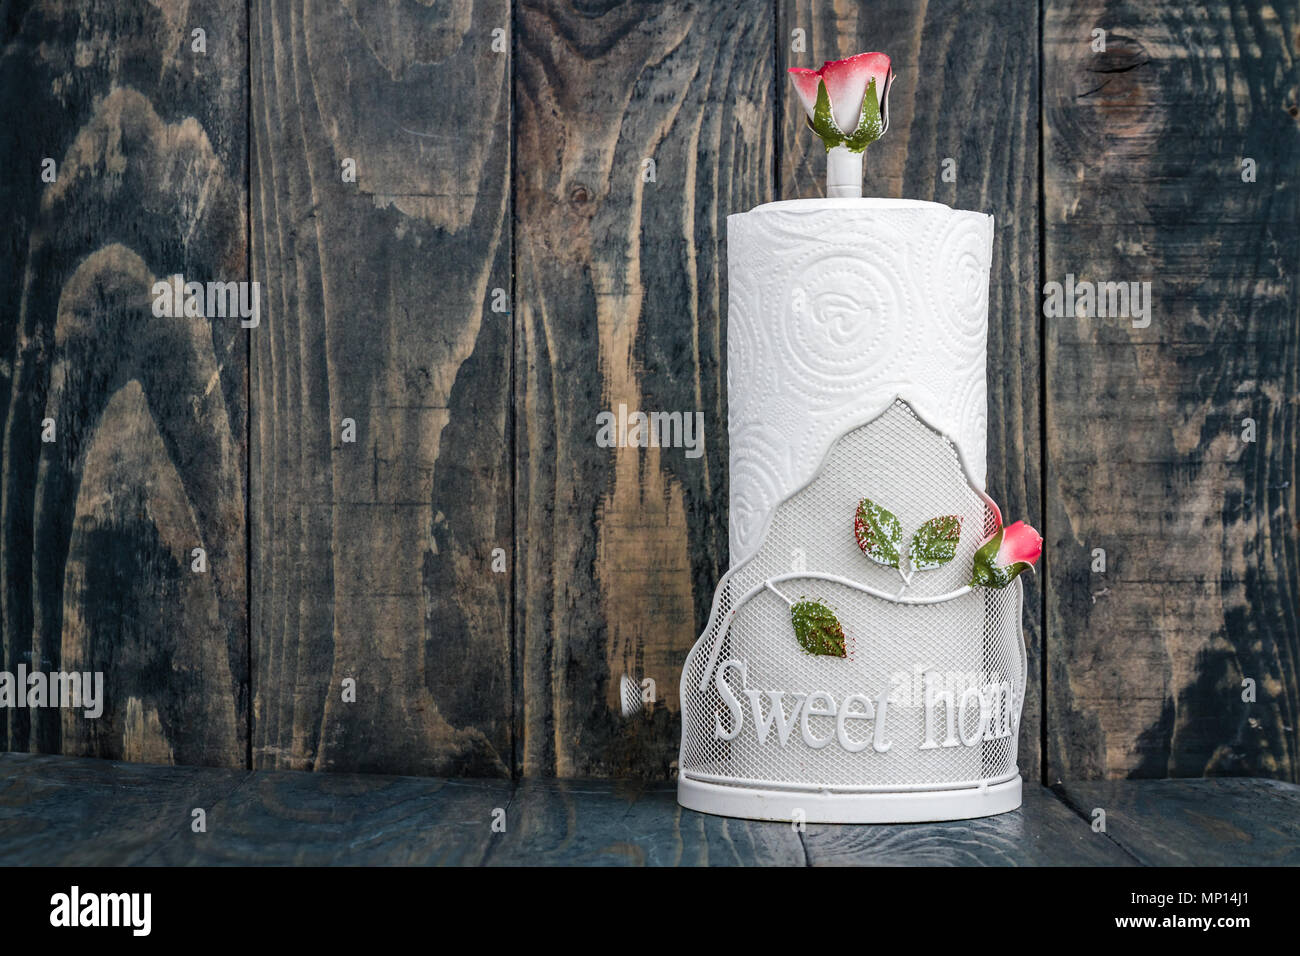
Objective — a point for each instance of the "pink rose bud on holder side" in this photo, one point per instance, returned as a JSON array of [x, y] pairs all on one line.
[[847, 102], [1009, 552]]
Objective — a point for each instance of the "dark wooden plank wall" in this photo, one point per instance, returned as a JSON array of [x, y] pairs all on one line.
[[1143, 149], [150, 414], [536, 234]]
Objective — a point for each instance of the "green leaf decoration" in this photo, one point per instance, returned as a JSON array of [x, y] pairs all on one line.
[[817, 629], [823, 120], [935, 543], [869, 128], [878, 532], [987, 573]]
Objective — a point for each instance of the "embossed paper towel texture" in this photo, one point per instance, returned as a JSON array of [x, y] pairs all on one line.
[[832, 312]]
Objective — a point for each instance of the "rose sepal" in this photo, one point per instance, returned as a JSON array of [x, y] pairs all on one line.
[[1010, 552], [866, 132]]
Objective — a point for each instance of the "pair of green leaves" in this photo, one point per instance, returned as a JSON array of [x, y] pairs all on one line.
[[867, 131], [880, 536]]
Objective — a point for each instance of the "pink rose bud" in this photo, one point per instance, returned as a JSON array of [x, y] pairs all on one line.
[[853, 119], [1021, 544], [1009, 552]]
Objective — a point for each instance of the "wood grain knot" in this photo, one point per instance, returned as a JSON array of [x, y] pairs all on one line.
[[1111, 76]]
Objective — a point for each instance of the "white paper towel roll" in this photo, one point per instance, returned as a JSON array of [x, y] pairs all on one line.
[[836, 306]]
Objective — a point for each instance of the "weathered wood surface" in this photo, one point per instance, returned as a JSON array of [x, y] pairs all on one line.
[[1043, 832], [968, 94], [372, 559], [286, 818], [70, 811], [66, 811], [149, 414], [621, 301], [1215, 822], [630, 823], [61, 811], [1144, 145]]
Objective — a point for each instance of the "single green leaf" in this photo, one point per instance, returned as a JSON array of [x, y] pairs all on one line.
[[987, 573], [869, 128], [878, 532], [934, 543], [823, 120], [817, 629]]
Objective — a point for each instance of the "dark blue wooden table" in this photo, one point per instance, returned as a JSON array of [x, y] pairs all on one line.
[[72, 811]]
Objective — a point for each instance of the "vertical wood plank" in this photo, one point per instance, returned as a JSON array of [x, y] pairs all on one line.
[[149, 457], [372, 559], [622, 302], [969, 94], [1144, 149]]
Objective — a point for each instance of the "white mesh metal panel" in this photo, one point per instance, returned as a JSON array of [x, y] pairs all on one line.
[[971, 640]]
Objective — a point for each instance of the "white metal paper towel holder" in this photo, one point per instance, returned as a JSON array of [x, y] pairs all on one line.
[[920, 720]]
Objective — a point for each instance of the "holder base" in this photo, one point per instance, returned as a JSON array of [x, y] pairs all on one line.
[[827, 806]]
